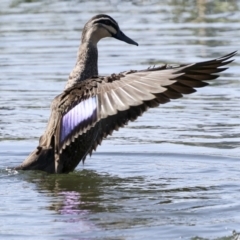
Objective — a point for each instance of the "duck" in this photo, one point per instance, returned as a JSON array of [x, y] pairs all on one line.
[[92, 106]]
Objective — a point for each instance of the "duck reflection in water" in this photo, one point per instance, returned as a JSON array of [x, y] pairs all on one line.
[[76, 193], [71, 203]]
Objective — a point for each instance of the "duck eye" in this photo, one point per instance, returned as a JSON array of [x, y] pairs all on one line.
[[107, 22]]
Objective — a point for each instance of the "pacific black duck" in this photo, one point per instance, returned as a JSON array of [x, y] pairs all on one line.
[[91, 106]]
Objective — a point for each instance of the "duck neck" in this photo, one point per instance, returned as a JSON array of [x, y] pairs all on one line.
[[86, 65]]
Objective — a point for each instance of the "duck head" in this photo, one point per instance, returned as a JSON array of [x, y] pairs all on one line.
[[101, 26]]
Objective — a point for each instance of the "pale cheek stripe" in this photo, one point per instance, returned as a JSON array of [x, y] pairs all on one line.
[[77, 115]]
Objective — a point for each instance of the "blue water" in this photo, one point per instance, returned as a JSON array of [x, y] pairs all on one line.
[[172, 174]]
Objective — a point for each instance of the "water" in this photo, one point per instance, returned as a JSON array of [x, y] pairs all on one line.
[[172, 174]]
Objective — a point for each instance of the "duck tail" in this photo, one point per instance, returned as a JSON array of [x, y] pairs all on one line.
[[40, 159]]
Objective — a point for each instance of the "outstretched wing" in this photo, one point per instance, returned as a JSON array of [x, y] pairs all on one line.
[[124, 100], [108, 103]]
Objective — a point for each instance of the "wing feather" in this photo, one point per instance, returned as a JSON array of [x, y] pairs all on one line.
[[164, 84], [76, 120], [104, 104], [153, 87]]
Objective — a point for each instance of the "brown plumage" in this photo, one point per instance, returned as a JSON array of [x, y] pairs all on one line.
[[91, 109]]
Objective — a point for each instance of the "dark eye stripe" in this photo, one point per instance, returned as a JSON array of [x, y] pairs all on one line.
[[108, 23]]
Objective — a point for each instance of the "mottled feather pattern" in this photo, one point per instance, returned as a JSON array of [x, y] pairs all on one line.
[[92, 109]]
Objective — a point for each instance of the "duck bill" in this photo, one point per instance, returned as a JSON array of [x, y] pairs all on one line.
[[122, 37]]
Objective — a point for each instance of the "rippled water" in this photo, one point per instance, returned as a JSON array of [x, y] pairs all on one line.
[[172, 174]]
